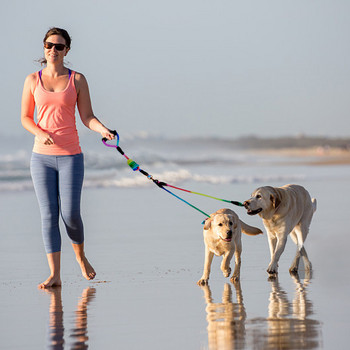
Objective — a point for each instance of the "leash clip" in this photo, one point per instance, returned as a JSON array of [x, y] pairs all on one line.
[[159, 183]]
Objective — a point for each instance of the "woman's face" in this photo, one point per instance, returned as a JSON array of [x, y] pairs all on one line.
[[53, 54]]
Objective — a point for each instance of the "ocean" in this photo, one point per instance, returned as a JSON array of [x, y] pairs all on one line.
[[175, 161]]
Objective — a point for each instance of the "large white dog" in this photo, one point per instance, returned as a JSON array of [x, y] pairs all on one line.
[[284, 210]]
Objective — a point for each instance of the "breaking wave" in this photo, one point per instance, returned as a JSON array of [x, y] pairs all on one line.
[[171, 161]]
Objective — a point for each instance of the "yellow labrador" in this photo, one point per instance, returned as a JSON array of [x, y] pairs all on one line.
[[222, 236], [284, 210]]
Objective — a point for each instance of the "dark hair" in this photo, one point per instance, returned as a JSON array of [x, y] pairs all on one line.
[[56, 31], [59, 31]]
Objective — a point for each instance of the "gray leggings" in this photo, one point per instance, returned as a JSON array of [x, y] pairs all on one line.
[[58, 182]]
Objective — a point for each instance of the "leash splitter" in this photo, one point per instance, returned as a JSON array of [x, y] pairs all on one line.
[[135, 167]]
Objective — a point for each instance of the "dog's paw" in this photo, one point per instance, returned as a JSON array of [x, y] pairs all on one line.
[[272, 269], [234, 278], [203, 281], [272, 273], [227, 272]]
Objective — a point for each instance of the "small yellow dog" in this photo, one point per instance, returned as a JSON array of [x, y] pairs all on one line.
[[222, 236]]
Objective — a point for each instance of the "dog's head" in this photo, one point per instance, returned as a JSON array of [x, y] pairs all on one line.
[[222, 225], [264, 200]]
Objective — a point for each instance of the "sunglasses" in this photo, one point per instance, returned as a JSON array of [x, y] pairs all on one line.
[[58, 47]]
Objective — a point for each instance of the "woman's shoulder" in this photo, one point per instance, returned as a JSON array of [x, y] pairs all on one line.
[[79, 77], [32, 77], [80, 81], [31, 80]]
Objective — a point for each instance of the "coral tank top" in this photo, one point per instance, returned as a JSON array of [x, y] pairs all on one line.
[[56, 116]]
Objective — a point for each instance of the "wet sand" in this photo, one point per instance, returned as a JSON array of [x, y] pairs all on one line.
[[148, 251]]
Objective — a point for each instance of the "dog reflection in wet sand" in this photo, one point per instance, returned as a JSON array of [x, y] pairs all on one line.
[[289, 323], [226, 320], [222, 237]]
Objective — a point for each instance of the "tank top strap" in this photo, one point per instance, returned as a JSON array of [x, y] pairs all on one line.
[[69, 73], [72, 80]]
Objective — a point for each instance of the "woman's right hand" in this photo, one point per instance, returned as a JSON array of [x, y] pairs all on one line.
[[45, 138]]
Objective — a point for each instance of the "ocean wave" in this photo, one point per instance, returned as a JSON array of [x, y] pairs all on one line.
[[134, 180], [170, 161], [157, 156], [183, 176], [11, 186]]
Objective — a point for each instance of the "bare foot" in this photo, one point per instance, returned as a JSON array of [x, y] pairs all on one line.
[[86, 269], [52, 281]]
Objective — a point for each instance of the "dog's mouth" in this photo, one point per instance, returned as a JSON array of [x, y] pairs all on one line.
[[254, 212], [226, 239]]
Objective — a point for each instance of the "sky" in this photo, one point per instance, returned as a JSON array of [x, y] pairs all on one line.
[[184, 68]]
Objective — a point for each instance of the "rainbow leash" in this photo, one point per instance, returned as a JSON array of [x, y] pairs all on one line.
[[206, 195], [135, 167]]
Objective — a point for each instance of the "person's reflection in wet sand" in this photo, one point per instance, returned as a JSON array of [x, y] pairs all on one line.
[[56, 328], [226, 320], [289, 324], [79, 332], [56, 325]]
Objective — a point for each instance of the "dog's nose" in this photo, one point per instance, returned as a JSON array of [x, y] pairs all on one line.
[[246, 204], [229, 234]]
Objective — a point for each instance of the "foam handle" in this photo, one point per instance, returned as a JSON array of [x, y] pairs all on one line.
[[133, 165], [120, 150]]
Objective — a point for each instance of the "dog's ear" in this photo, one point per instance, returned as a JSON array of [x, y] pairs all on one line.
[[207, 223], [275, 200]]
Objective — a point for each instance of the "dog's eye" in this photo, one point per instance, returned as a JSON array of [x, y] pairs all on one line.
[[230, 223], [220, 224], [258, 196]]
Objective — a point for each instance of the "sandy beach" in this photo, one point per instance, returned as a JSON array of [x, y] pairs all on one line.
[[312, 156], [147, 249]]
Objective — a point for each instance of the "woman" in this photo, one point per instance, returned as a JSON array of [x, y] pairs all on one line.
[[57, 164]]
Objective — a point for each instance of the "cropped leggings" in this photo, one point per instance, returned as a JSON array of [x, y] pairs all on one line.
[[58, 182]]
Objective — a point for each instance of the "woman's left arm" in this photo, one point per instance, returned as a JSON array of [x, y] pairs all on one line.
[[85, 108]]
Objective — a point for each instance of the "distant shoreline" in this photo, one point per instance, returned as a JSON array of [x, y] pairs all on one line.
[[311, 156], [305, 149]]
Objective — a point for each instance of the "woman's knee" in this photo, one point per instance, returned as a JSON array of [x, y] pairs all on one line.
[[72, 219], [74, 226]]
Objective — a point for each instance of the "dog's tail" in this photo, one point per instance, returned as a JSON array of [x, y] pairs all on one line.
[[314, 204], [250, 230]]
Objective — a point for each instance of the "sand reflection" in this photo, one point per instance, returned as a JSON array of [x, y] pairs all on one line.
[[226, 320], [289, 324], [56, 325]]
